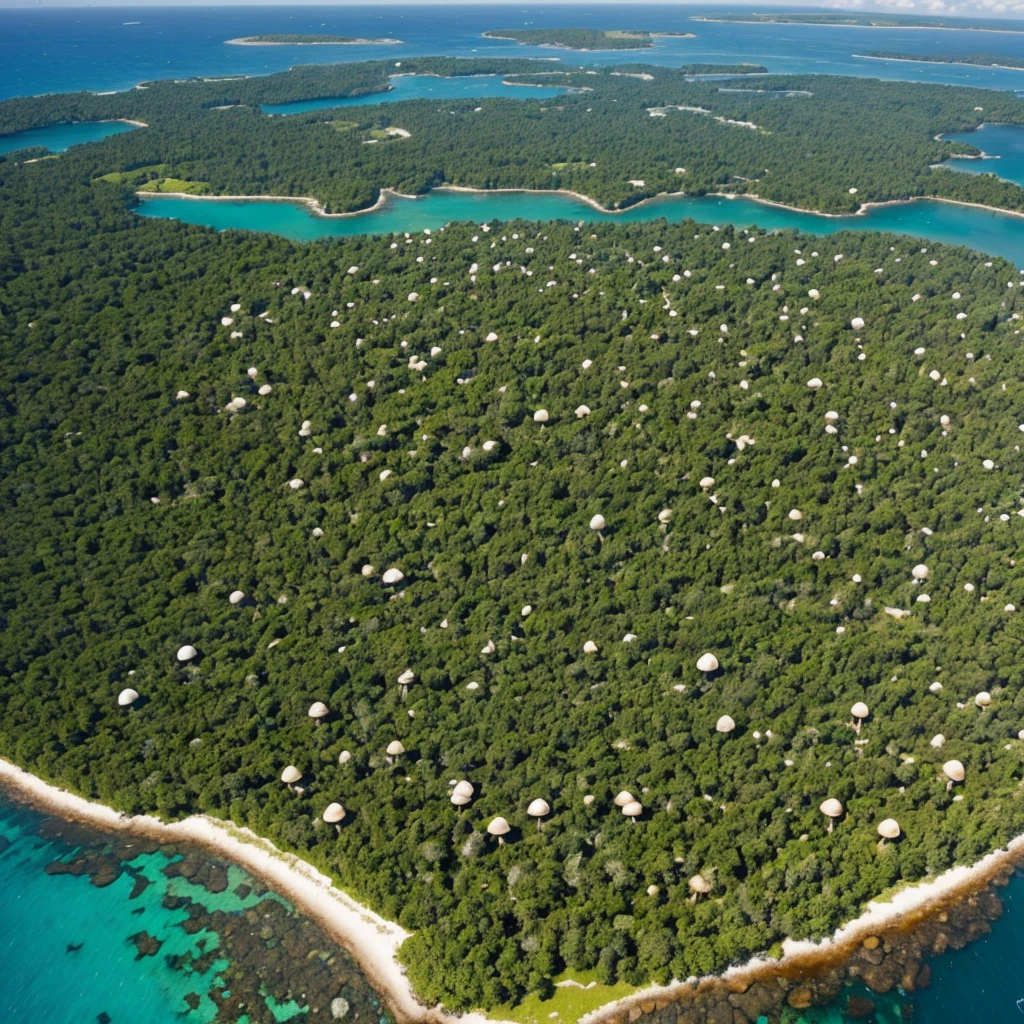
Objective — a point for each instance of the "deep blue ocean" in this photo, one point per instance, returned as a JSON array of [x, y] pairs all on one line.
[[70, 947], [48, 50]]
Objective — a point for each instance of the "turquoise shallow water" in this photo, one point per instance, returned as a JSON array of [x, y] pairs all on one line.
[[78, 907], [58, 137], [423, 87], [992, 233]]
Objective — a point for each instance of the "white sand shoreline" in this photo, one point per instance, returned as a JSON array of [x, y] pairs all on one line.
[[386, 193], [939, 63], [373, 941], [255, 41]]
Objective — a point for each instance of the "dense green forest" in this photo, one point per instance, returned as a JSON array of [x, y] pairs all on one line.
[[576, 38], [975, 59], [814, 138], [549, 658], [299, 39], [865, 21]]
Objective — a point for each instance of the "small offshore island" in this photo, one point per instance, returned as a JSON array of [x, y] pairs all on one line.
[[583, 38], [288, 39]]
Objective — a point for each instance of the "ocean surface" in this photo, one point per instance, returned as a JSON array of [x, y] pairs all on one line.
[[120, 930], [48, 50]]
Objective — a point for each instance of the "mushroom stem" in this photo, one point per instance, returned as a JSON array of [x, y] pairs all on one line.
[[831, 823]]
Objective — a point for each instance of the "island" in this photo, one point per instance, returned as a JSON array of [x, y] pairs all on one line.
[[599, 604], [289, 39], [583, 38], [890, 21], [978, 60]]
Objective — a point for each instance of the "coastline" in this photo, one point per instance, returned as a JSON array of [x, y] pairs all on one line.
[[386, 193], [940, 63], [373, 941], [828, 24]]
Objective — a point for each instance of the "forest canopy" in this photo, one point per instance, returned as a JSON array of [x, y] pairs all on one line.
[[491, 494]]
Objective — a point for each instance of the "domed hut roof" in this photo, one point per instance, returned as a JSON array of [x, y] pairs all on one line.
[[333, 813], [889, 828]]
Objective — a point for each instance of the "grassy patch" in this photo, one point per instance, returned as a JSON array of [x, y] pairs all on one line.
[[192, 188], [569, 1002]]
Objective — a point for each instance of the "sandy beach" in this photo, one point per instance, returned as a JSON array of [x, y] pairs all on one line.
[[940, 63], [373, 941]]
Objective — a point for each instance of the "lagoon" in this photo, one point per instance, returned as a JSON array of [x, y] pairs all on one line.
[[58, 137], [423, 87], [1003, 142], [997, 234]]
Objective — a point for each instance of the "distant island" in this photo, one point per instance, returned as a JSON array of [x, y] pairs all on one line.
[[287, 39], [723, 69], [857, 21], [583, 38], [975, 60]]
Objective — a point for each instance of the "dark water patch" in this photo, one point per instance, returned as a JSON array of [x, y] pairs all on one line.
[[117, 928]]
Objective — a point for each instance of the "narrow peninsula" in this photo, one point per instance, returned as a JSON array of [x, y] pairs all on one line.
[[974, 60], [890, 21]]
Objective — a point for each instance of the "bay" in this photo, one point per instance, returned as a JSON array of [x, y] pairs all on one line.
[[1003, 142], [52, 50], [58, 137], [996, 234], [422, 87]]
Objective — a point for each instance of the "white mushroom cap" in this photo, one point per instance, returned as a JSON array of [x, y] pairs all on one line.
[[937, 740], [590, 647], [460, 799], [954, 770], [541, 416], [699, 884], [407, 677], [582, 411], [725, 724], [498, 827], [589, 798], [236, 597], [707, 663], [538, 808], [393, 576], [831, 808], [265, 389], [633, 809], [296, 484], [983, 699], [652, 890], [181, 396], [186, 653], [344, 757], [318, 709], [665, 515], [291, 774], [707, 482], [796, 515], [464, 788], [889, 828], [333, 813], [395, 747], [860, 710], [625, 797], [126, 698], [857, 323], [597, 522], [814, 383], [920, 572]]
